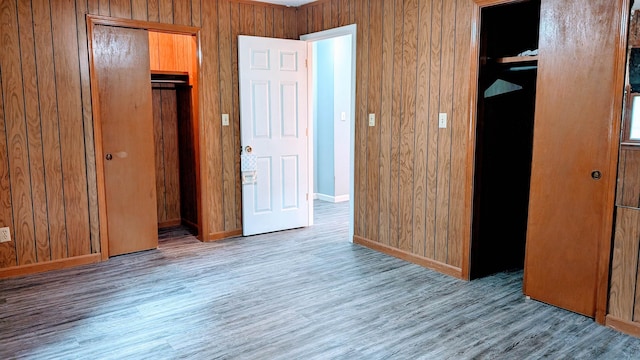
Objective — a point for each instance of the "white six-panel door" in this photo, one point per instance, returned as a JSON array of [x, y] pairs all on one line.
[[273, 131]]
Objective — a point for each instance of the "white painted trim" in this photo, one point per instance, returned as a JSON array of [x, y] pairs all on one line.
[[329, 198], [322, 35]]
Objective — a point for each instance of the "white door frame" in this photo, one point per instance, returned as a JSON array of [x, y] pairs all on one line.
[[310, 38]]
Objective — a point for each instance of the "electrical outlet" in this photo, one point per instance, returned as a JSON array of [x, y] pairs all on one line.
[[225, 119], [372, 119], [442, 120], [5, 235]]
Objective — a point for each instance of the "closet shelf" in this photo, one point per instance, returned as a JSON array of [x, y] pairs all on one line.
[[516, 59]]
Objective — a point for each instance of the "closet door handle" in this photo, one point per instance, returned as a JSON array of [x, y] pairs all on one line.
[[596, 175], [108, 157]]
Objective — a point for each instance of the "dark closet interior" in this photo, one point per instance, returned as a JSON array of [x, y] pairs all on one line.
[[175, 151], [504, 136]]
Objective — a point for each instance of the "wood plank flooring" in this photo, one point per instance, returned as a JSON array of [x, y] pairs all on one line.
[[300, 294]]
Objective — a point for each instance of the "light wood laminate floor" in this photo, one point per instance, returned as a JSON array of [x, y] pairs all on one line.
[[300, 294]]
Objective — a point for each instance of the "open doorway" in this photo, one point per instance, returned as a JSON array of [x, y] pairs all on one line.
[[504, 136], [332, 114], [175, 129], [123, 61]]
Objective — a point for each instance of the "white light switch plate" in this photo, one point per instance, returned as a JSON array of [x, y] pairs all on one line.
[[343, 116], [5, 235], [225, 119], [442, 120], [372, 119]]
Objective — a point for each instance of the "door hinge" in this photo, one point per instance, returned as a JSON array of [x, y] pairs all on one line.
[[306, 62], [306, 132], [307, 196]]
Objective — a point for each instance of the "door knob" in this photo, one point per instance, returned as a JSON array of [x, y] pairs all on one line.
[[108, 157], [596, 175]]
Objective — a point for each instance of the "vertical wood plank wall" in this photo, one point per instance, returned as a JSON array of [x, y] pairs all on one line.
[[624, 295], [173, 52], [48, 191], [165, 133], [412, 63]]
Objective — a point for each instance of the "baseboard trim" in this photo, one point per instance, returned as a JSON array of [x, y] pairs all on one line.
[[407, 256], [329, 198], [624, 326], [21, 270], [223, 235]]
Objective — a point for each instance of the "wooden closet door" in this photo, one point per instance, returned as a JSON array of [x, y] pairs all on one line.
[[570, 208], [121, 67]]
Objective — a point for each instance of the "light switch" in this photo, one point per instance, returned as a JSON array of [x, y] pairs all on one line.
[[442, 120], [372, 119], [343, 116], [225, 119]]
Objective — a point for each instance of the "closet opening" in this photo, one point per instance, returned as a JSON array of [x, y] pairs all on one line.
[[504, 136], [175, 130]]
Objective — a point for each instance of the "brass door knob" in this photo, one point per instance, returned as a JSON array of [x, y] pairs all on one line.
[[596, 175]]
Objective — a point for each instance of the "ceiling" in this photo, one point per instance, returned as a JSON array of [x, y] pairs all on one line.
[[287, 2]]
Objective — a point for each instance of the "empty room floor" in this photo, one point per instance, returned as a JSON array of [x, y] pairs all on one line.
[[299, 294]]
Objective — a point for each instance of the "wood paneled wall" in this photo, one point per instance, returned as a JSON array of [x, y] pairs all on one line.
[[48, 191], [165, 133], [174, 125], [624, 297], [412, 63]]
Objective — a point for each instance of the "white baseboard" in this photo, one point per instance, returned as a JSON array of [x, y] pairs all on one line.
[[329, 198]]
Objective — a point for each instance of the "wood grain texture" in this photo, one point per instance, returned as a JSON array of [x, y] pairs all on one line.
[[7, 249], [50, 57], [182, 12], [139, 10], [229, 134], [16, 136], [34, 131], [628, 193], [360, 163], [153, 10], [420, 237], [622, 294], [165, 11], [156, 98], [385, 119], [569, 221], [459, 135], [443, 193], [126, 120], [372, 219], [87, 119], [47, 93], [396, 108], [164, 299], [432, 248], [407, 125], [104, 7], [170, 154], [212, 195], [72, 139], [120, 8]]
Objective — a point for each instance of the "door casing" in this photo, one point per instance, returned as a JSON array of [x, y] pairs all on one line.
[[604, 246], [92, 21]]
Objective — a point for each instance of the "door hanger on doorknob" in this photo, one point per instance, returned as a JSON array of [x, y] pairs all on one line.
[[249, 166]]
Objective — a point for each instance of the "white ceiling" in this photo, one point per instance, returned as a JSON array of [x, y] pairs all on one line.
[[636, 5], [287, 2]]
